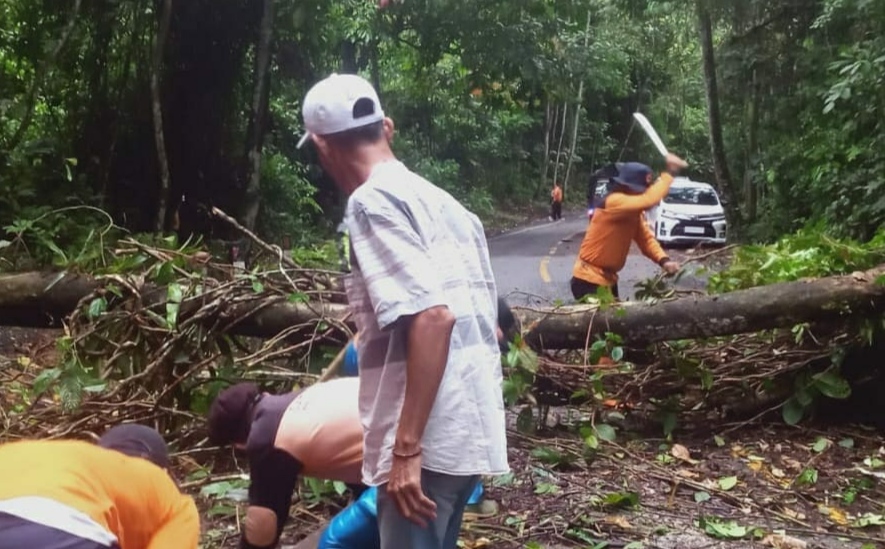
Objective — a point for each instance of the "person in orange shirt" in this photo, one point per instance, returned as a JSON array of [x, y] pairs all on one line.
[[556, 202], [71, 494], [618, 221]]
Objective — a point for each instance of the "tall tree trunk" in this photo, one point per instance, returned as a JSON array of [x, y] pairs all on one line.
[[578, 104], [259, 114], [750, 194], [545, 160], [562, 124], [374, 66], [157, 110], [717, 146], [42, 72]]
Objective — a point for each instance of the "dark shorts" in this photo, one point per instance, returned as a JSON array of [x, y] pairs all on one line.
[[580, 288], [16, 533]]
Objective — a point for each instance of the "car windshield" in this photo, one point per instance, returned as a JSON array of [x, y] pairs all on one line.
[[697, 196]]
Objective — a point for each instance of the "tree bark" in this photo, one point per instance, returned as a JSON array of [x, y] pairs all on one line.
[[746, 311], [259, 115], [563, 121], [578, 104], [157, 112], [717, 145], [42, 72], [549, 123], [750, 194], [43, 300]]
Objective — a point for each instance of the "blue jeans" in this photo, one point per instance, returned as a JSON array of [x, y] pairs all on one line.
[[450, 493]]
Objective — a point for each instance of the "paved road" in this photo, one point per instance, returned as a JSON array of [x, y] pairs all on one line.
[[533, 265]]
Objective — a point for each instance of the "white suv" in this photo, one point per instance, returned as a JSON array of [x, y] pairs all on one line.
[[690, 213]]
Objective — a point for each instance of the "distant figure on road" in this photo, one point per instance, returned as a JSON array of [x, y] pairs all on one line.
[[619, 220], [556, 202]]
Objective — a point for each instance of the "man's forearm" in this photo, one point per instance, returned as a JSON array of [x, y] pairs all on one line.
[[427, 353]]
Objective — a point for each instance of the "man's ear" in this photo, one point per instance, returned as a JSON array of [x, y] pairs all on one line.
[[648, 178], [389, 129], [322, 146]]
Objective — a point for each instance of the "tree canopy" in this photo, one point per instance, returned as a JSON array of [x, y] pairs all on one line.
[[155, 112]]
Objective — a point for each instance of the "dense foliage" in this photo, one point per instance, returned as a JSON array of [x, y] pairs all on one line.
[[493, 99]]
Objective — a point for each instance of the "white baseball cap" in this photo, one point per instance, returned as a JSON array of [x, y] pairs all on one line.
[[329, 106]]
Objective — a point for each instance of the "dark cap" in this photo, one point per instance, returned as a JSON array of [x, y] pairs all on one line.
[[633, 175], [137, 441], [229, 415]]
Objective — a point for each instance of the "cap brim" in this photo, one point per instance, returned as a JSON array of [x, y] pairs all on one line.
[[304, 139]]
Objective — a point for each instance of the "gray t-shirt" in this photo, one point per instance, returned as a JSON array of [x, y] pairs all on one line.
[[413, 246]]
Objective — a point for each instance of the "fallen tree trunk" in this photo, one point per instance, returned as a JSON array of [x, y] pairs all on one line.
[[745, 311], [43, 300]]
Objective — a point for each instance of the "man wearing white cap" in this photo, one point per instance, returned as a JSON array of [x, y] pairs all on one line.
[[424, 300]]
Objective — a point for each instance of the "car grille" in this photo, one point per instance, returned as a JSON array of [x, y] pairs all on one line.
[[679, 229]]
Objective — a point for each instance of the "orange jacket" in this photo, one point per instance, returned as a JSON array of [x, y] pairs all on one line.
[[615, 225], [556, 194], [129, 497]]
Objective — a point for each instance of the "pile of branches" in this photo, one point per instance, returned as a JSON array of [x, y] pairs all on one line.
[[704, 383], [155, 340]]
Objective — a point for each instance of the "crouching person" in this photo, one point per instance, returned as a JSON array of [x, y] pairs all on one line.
[[315, 432], [69, 494]]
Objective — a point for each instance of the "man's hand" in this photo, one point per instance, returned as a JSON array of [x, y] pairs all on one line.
[[404, 488], [670, 267], [675, 164]]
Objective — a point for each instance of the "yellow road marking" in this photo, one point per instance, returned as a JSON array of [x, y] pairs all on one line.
[[545, 274], [543, 268]]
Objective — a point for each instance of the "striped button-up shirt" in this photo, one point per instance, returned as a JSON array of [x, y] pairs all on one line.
[[413, 246]]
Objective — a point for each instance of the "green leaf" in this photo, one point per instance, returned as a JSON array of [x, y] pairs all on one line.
[[808, 476], [792, 411], [618, 354], [701, 497], [257, 286], [720, 442], [833, 385], [174, 293], [96, 307], [847, 443], [635, 545], [621, 499], [723, 530], [165, 274], [727, 483], [5, 244], [340, 487], [669, 423], [298, 297], [869, 519], [820, 445], [545, 488], [95, 388], [547, 455], [606, 432]]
